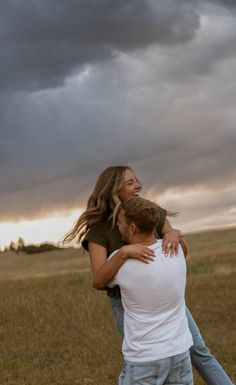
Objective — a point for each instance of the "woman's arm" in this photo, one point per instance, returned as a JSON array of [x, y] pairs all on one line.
[[104, 271], [173, 237]]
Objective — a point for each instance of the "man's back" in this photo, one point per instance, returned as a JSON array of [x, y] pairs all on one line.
[[153, 297]]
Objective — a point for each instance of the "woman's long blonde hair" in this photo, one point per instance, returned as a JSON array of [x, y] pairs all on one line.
[[101, 202]]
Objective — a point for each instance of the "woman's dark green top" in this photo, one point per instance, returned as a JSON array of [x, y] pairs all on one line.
[[103, 234]]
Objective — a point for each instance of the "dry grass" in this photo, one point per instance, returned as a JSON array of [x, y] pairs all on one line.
[[20, 265], [56, 331], [59, 331]]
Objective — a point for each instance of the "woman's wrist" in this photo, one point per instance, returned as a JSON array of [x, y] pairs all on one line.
[[123, 253], [179, 232]]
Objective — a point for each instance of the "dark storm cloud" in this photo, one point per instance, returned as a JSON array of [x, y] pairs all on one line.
[[55, 164], [44, 41], [227, 3], [90, 84]]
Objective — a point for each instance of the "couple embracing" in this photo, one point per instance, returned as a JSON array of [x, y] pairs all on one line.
[[139, 260]]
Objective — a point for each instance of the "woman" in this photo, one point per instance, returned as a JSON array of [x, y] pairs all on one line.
[[101, 237]]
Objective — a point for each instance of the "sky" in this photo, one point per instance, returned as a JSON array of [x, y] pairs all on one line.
[[89, 84]]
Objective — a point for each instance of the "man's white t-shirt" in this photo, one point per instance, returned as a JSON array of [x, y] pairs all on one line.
[[153, 296]]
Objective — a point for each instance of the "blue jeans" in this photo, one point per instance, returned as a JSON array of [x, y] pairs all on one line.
[[176, 370], [202, 359]]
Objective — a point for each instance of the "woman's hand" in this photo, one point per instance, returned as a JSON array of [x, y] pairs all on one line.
[[137, 251], [170, 242], [105, 270]]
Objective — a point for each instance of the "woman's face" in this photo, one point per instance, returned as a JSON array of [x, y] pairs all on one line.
[[131, 186]]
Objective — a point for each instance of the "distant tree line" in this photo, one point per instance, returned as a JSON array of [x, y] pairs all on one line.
[[20, 246]]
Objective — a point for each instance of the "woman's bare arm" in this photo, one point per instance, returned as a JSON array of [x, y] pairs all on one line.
[[170, 236], [104, 271]]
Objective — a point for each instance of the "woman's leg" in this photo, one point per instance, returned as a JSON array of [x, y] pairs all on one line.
[[202, 359], [118, 311]]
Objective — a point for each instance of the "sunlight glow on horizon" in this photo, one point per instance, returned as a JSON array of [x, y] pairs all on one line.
[[36, 231], [52, 229]]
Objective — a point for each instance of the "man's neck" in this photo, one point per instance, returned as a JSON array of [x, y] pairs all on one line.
[[145, 239]]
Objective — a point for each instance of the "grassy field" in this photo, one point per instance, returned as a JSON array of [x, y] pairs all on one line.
[[20, 265], [55, 329]]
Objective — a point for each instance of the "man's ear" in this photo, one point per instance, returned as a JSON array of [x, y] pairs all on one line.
[[133, 228]]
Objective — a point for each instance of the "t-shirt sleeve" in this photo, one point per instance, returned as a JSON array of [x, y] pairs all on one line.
[[98, 233], [161, 221], [112, 283]]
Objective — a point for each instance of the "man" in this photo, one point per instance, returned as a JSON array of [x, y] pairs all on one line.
[[157, 339]]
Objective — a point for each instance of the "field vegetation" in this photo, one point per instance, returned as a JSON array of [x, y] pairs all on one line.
[[55, 329]]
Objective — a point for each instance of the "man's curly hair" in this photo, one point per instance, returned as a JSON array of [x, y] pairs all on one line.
[[144, 213]]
